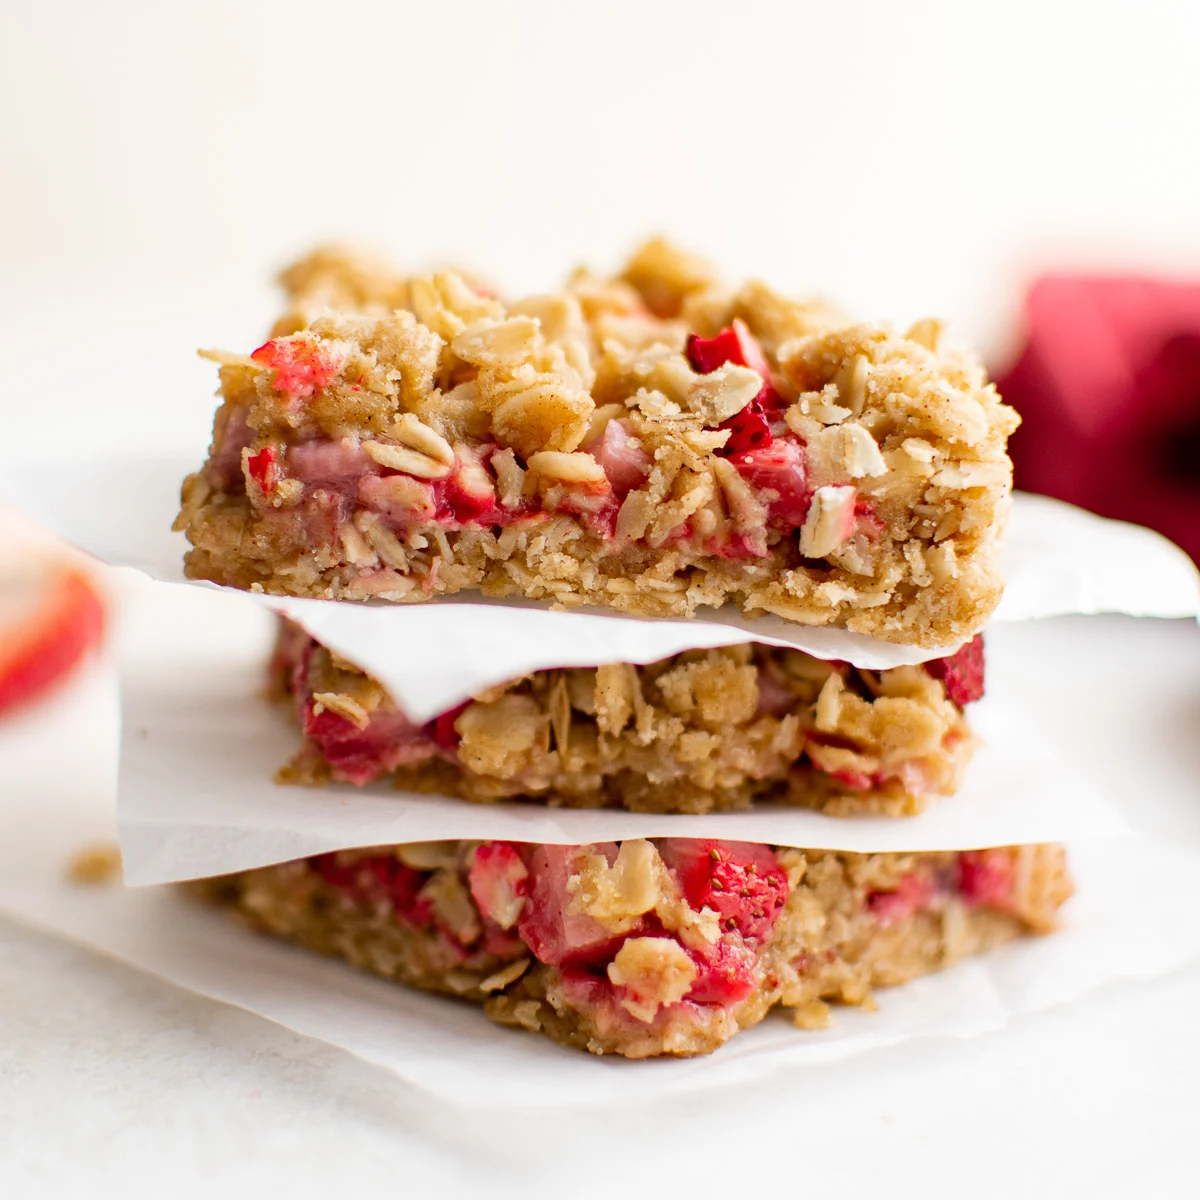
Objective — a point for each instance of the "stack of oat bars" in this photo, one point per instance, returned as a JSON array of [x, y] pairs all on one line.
[[653, 445]]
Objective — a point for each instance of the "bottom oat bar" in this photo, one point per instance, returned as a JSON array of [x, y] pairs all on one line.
[[701, 731], [649, 947]]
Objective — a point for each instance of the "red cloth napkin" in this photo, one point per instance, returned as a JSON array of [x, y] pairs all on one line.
[[1108, 386]]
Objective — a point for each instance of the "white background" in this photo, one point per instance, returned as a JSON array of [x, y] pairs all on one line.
[[159, 160]]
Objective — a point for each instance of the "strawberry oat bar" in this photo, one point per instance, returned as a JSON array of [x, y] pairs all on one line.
[[653, 443], [649, 947], [704, 730]]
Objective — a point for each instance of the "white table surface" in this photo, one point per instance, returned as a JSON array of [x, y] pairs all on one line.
[[113, 1082]]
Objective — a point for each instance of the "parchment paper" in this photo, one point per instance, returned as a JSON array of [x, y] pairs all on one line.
[[431, 655], [200, 746]]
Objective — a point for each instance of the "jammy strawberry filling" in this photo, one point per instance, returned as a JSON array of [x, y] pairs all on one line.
[[981, 878], [362, 754], [431, 901], [326, 491], [358, 747], [636, 934], [630, 930], [986, 877]]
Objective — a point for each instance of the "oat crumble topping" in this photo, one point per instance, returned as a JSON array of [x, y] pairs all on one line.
[[656, 443]]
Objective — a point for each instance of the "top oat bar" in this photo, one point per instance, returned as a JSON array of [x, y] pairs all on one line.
[[654, 443]]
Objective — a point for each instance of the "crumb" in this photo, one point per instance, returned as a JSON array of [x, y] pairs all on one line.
[[96, 865]]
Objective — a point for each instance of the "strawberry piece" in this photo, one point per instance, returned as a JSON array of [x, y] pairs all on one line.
[[725, 973], [735, 344], [324, 513], [380, 879], [555, 934], [57, 626], [360, 756], [444, 732], [749, 429], [911, 893], [375, 878], [357, 754], [776, 472], [775, 698], [264, 468], [741, 881], [401, 886], [330, 462], [962, 672], [231, 436], [596, 503], [469, 492], [858, 781], [622, 457], [986, 877], [499, 883], [1111, 368], [302, 365]]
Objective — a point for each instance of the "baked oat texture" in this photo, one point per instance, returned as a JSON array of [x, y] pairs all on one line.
[[629, 949], [699, 732], [654, 443]]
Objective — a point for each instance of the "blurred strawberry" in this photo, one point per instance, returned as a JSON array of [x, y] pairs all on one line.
[[1108, 386], [962, 672], [47, 625]]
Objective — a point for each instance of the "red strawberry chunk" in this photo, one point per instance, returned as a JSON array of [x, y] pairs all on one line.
[[962, 672], [360, 756], [330, 462], [444, 732], [469, 492], [301, 364], [986, 877], [56, 625], [741, 881], [357, 753], [725, 973], [555, 934], [499, 883], [378, 877], [264, 468], [735, 344], [622, 456], [911, 893], [858, 781], [323, 513], [230, 437], [777, 474], [382, 879], [749, 429]]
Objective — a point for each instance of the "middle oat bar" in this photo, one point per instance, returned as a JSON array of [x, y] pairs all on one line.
[[702, 731]]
